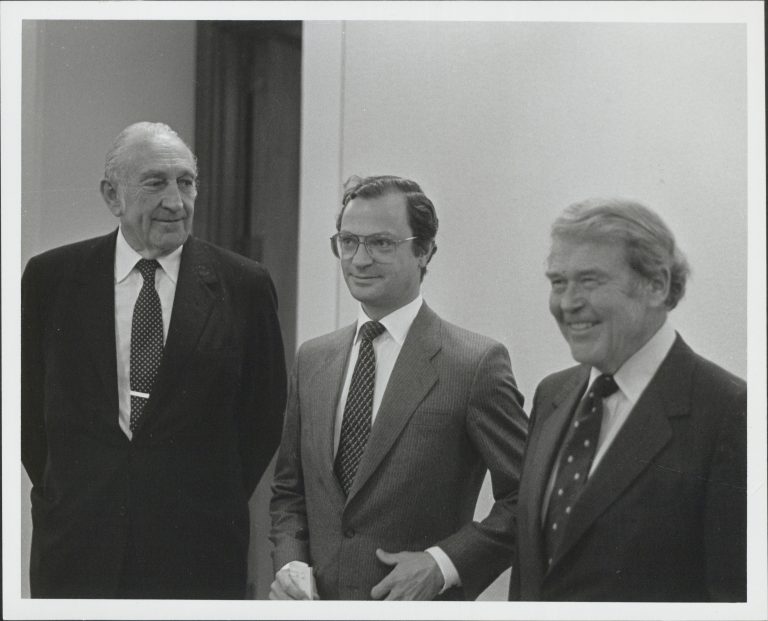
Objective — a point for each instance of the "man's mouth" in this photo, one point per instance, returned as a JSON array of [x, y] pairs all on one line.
[[580, 326]]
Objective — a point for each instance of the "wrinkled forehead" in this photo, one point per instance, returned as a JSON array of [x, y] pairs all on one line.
[[586, 248], [159, 152]]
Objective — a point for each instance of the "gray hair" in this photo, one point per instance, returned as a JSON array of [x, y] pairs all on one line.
[[116, 158], [648, 242]]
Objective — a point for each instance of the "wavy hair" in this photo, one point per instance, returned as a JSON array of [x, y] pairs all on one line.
[[648, 242]]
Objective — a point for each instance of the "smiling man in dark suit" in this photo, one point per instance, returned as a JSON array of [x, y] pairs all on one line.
[[391, 425], [153, 385], [634, 479]]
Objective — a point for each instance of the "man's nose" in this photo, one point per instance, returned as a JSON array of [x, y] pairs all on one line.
[[172, 196], [572, 298], [361, 256]]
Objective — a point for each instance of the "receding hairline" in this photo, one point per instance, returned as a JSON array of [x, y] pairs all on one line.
[[127, 145], [141, 137]]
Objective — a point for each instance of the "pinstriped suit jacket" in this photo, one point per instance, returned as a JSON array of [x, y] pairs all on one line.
[[450, 411]]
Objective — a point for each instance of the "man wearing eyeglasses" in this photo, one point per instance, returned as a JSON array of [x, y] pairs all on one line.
[[391, 425]]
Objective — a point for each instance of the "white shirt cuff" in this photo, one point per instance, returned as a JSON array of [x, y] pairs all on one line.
[[294, 564], [448, 569]]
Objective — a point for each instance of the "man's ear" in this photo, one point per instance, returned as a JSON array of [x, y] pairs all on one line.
[[111, 197], [659, 285], [426, 257]]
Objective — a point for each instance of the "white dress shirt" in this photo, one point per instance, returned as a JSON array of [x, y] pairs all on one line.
[[632, 379], [128, 283], [386, 348]]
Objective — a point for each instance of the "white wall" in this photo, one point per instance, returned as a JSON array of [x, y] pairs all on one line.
[[82, 82], [505, 124]]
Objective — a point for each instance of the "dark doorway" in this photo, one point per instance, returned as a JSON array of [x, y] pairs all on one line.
[[247, 132], [247, 136]]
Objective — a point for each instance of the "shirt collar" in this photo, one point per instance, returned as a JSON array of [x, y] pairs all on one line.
[[638, 370], [126, 259], [397, 322]]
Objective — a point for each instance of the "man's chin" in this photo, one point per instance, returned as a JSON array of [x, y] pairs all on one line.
[[361, 295], [582, 354], [361, 289], [169, 243]]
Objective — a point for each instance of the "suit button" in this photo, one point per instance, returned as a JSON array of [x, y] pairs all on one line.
[[122, 511], [349, 533]]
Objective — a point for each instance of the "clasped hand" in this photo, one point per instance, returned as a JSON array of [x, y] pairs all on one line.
[[415, 576]]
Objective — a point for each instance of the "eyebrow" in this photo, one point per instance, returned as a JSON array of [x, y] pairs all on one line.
[[579, 274], [162, 173], [384, 233]]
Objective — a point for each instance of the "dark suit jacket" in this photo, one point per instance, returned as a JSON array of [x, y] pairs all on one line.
[[450, 411], [663, 516], [172, 502]]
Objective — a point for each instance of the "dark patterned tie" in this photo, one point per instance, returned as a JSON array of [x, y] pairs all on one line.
[[146, 341], [576, 460], [356, 425]]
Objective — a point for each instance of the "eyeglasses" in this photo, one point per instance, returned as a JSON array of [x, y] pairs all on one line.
[[379, 247]]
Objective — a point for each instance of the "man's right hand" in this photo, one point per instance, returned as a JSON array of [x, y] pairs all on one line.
[[287, 583]]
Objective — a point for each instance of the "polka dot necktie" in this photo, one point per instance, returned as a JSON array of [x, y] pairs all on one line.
[[576, 460], [356, 424], [146, 341]]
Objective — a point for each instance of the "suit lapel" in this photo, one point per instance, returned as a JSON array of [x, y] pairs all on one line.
[[95, 320], [196, 291], [544, 449], [326, 385], [412, 378], [644, 434]]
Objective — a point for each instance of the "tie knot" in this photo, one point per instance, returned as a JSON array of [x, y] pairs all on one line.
[[370, 330], [604, 386], [147, 269]]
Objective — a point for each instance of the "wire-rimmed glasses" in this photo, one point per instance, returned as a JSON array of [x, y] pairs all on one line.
[[379, 247]]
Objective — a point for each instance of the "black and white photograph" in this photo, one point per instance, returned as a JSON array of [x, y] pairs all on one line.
[[384, 310]]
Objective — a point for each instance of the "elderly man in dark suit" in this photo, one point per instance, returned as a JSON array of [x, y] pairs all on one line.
[[634, 479], [153, 388], [391, 425]]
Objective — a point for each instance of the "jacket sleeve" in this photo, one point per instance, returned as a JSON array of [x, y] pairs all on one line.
[[290, 531], [498, 427], [33, 433], [263, 384], [725, 511]]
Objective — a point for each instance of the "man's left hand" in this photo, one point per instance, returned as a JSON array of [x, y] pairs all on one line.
[[415, 576]]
